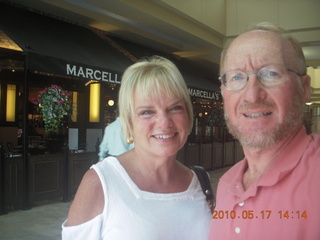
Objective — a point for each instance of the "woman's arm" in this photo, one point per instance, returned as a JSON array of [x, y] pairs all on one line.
[[89, 200]]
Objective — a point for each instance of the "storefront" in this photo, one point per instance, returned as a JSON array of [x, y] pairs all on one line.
[[43, 51], [209, 144], [36, 165]]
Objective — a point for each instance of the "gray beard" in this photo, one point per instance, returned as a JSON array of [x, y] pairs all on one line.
[[264, 139]]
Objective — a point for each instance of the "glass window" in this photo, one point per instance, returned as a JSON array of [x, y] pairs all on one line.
[[11, 103]]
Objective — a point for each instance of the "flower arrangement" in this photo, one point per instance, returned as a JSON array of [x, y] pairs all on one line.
[[54, 103]]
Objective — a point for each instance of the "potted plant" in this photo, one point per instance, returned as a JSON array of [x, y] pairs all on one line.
[[54, 104]]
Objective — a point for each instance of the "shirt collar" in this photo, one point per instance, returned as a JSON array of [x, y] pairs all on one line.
[[287, 159], [283, 164]]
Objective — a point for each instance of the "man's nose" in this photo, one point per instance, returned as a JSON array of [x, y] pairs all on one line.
[[254, 89]]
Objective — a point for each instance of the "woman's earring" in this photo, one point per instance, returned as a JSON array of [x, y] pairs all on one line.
[[130, 140]]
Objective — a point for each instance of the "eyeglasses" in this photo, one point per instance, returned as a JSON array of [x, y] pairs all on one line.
[[269, 76]]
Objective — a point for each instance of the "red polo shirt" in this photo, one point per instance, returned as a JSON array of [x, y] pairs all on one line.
[[284, 204]]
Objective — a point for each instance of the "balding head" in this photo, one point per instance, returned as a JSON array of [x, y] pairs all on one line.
[[275, 38]]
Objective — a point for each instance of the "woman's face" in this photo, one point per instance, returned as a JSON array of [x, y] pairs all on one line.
[[160, 125]]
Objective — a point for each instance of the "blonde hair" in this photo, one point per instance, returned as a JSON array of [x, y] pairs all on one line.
[[154, 77], [266, 26]]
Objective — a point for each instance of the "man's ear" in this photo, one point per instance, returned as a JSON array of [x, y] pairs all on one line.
[[306, 88]]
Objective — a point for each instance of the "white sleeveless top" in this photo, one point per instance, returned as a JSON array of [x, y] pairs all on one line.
[[130, 213]]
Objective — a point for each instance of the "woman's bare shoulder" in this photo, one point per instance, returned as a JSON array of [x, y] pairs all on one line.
[[89, 200]]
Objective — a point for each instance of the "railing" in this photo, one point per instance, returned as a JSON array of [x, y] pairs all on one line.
[[55, 177], [52, 177], [211, 155]]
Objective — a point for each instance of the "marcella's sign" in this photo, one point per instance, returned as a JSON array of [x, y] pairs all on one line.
[[205, 94], [93, 74], [112, 77]]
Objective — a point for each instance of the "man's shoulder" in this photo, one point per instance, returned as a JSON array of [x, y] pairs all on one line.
[[315, 140], [313, 149]]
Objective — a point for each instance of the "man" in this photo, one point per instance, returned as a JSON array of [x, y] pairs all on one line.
[[273, 193], [113, 143]]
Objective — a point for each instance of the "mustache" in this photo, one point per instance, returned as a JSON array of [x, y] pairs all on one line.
[[256, 106]]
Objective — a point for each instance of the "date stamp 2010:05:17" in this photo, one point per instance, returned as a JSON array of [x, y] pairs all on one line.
[[265, 214]]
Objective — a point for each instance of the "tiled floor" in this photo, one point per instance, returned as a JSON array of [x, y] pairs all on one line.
[[39, 223], [44, 222]]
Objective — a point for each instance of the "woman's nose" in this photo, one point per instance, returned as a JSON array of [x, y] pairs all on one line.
[[164, 119]]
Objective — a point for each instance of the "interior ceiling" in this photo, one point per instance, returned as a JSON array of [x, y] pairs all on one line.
[[152, 24]]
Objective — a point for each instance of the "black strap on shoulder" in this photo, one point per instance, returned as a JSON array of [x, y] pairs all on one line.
[[205, 183]]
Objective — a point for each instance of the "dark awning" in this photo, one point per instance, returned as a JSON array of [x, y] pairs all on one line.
[[194, 79], [62, 48]]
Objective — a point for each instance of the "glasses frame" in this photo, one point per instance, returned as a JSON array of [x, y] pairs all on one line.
[[222, 77]]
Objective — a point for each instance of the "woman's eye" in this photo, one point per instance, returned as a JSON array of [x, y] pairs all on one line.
[[177, 108], [146, 112]]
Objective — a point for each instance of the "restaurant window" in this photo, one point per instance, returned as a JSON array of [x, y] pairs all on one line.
[[110, 102], [74, 111], [35, 121], [94, 107], [11, 103], [208, 120]]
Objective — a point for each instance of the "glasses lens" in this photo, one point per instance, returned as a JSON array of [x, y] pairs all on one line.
[[272, 75], [235, 80]]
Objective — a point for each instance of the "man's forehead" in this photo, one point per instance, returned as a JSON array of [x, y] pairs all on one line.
[[257, 38], [258, 44]]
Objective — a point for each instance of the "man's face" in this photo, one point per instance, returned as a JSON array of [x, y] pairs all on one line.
[[262, 116]]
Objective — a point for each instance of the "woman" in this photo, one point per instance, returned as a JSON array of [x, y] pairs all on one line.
[[144, 193]]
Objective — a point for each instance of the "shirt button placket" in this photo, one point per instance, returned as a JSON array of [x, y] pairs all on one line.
[[237, 230]]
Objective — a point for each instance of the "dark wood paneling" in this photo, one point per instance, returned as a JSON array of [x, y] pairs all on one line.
[[13, 183], [181, 155], [80, 163], [46, 172], [229, 153], [45, 177], [193, 154], [206, 155], [43, 180], [239, 152], [218, 155]]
